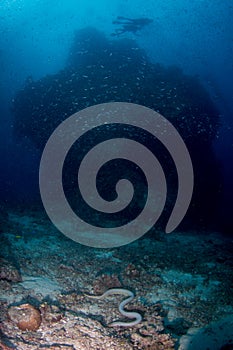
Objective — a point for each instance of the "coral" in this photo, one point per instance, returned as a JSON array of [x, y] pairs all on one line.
[[104, 282], [131, 271], [25, 316], [50, 313], [155, 342], [4, 346], [9, 272]]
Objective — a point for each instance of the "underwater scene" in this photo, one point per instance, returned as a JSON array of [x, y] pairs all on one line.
[[116, 188]]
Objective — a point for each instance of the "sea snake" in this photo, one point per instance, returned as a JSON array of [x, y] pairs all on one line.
[[128, 314]]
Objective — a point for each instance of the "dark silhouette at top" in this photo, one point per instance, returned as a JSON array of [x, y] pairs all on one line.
[[130, 24]]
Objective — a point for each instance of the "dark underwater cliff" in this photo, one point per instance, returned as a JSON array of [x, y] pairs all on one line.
[[99, 70]]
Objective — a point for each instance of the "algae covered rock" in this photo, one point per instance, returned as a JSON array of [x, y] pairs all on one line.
[[25, 316]]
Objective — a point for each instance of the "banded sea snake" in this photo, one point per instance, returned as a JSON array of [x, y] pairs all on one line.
[[129, 314]]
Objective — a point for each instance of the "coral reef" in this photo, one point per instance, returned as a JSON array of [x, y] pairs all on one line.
[[183, 282]]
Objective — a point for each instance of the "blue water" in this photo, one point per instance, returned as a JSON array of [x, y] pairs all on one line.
[[35, 40]]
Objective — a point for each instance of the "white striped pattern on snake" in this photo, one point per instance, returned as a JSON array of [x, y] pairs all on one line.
[[130, 314]]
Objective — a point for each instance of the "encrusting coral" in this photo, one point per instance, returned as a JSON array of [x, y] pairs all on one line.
[[25, 316]]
